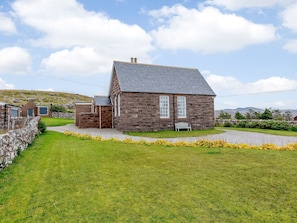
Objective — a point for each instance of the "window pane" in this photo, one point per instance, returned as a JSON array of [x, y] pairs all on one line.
[[43, 110], [181, 107], [164, 107], [115, 106], [119, 105], [14, 113]]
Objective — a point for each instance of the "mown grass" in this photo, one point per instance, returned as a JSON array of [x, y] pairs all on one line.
[[66, 179], [175, 134], [56, 121], [265, 131]]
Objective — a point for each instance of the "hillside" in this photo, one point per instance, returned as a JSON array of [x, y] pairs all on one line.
[[245, 110], [20, 97]]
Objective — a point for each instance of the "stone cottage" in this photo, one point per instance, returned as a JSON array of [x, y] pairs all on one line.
[[31, 109], [145, 97], [7, 113]]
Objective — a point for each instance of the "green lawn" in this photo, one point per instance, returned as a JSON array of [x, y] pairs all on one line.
[[175, 134], [265, 131], [56, 121], [66, 179]]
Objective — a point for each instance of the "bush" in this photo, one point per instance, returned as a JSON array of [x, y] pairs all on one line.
[[241, 124], [227, 124], [41, 126], [58, 108], [293, 128], [253, 124]]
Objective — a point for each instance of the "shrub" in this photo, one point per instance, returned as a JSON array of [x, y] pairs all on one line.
[[227, 124], [241, 124], [41, 126], [58, 108], [293, 128]]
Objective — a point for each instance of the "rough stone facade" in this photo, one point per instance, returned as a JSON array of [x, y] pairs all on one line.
[[7, 122], [106, 116], [15, 141], [91, 116], [66, 115], [141, 112], [79, 108], [88, 120]]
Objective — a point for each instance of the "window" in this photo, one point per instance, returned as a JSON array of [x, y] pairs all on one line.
[[115, 106], [119, 105], [181, 107], [14, 113], [42, 110], [164, 107], [30, 112]]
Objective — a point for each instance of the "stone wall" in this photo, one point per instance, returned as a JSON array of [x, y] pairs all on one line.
[[221, 122], [66, 115], [88, 120], [141, 112], [15, 141]]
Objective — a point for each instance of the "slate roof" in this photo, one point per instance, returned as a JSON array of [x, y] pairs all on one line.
[[146, 78], [102, 100]]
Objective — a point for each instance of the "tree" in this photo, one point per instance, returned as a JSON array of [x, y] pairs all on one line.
[[288, 116], [224, 115], [267, 114], [251, 114], [277, 114], [238, 115]]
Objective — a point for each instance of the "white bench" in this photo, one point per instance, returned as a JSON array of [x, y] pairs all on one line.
[[182, 125]]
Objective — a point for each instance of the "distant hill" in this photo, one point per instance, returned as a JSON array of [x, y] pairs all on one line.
[[20, 97], [245, 110]]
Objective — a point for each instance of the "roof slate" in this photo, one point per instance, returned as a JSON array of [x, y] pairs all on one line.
[[146, 78], [102, 100]]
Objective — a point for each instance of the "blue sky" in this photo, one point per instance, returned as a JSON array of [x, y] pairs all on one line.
[[246, 50]]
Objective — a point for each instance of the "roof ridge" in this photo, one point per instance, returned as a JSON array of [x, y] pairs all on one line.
[[155, 65]]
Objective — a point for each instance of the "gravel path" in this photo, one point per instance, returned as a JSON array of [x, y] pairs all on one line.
[[230, 136]]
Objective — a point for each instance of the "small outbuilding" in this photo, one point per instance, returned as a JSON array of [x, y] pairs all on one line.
[[8, 112]]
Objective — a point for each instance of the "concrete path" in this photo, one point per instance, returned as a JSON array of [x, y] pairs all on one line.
[[230, 136]]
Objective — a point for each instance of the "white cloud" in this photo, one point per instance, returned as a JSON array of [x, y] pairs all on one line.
[[4, 85], [207, 30], [228, 86], [6, 25], [14, 60], [272, 92], [240, 4], [291, 46], [47, 89], [77, 61], [272, 84], [290, 17], [67, 25]]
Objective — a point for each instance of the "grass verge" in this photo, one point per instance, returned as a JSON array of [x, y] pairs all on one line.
[[63, 178], [175, 134], [56, 121], [265, 131]]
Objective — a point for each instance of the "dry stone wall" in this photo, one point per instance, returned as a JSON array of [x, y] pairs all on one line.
[[15, 141], [66, 115]]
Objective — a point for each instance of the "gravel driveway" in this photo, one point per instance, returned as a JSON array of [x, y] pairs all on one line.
[[230, 136]]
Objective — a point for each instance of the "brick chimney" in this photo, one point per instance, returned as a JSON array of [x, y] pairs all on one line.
[[133, 60]]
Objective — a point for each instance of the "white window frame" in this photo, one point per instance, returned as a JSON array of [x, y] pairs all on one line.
[[13, 112], [119, 105], [164, 107], [181, 107], [115, 106]]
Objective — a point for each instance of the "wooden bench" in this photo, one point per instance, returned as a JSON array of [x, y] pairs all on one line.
[[182, 125]]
